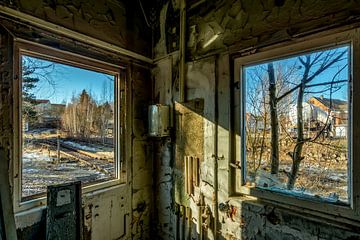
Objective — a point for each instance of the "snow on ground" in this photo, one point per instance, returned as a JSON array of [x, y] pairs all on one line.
[[34, 157], [40, 168], [41, 131], [39, 171], [104, 152], [81, 147], [338, 177], [333, 190]]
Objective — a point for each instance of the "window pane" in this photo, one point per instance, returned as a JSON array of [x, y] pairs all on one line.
[[296, 125], [67, 125]]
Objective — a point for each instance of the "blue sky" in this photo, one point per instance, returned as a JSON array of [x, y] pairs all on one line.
[[59, 82], [253, 71]]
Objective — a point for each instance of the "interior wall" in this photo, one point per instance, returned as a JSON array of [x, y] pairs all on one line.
[[119, 212], [215, 30], [120, 22], [5, 129], [141, 180]]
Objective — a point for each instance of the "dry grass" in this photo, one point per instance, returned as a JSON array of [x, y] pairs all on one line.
[[323, 171]]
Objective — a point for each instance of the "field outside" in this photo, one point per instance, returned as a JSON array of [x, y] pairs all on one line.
[[296, 125], [67, 125]]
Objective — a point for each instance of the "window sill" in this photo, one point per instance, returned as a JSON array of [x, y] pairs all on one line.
[[343, 216], [28, 207]]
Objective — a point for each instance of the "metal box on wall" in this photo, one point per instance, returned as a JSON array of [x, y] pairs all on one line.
[[64, 219], [159, 120]]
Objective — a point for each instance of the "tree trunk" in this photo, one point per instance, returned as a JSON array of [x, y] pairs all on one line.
[[274, 121], [299, 140]]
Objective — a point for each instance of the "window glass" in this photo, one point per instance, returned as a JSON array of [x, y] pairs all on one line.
[[296, 125], [67, 125]]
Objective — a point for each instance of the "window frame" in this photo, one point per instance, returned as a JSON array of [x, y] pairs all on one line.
[[26, 48], [297, 47]]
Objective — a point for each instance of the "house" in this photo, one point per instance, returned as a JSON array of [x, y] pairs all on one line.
[[42, 108], [318, 111], [48, 114], [338, 110]]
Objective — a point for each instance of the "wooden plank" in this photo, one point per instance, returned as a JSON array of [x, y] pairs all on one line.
[[190, 175], [196, 171], [186, 175]]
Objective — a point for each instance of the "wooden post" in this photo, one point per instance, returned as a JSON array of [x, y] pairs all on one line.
[[186, 175], [190, 175], [58, 145], [6, 206], [196, 172]]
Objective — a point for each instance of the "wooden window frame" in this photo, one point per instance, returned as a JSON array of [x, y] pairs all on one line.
[[24, 47], [345, 214]]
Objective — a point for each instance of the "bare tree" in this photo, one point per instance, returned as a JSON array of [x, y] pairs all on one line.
[[78, 117], [314, 65], [257, 119], [84, 117], [274, 120], [104, 116], [33, 72]]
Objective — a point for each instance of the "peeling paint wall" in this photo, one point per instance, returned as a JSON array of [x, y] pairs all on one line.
[[141, 179], [229, 25], [154, 205], [6, 73], [119, 212], [118, 22], [216, 29], [237, 25]]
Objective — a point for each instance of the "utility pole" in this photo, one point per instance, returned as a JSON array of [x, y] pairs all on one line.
[[58, 145]]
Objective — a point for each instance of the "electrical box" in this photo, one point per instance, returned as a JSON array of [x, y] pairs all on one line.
[[64, 212], [159, 120]]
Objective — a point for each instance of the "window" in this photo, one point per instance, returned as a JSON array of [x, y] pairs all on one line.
[[69, 118], [293, 124]]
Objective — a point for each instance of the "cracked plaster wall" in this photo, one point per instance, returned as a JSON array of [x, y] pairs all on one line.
[[214, 30], [242, 24], [141, 180], [122, 212], [119, 22]]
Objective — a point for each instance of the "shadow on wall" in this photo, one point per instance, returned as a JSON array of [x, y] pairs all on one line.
[[36, 231], [249, 220], [238, 218]]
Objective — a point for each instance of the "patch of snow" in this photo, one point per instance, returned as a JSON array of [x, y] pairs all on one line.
[[41, 131], [267, 181], [30, 171], [34, 156], [79, 146], [338, 177], [39, 171]]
